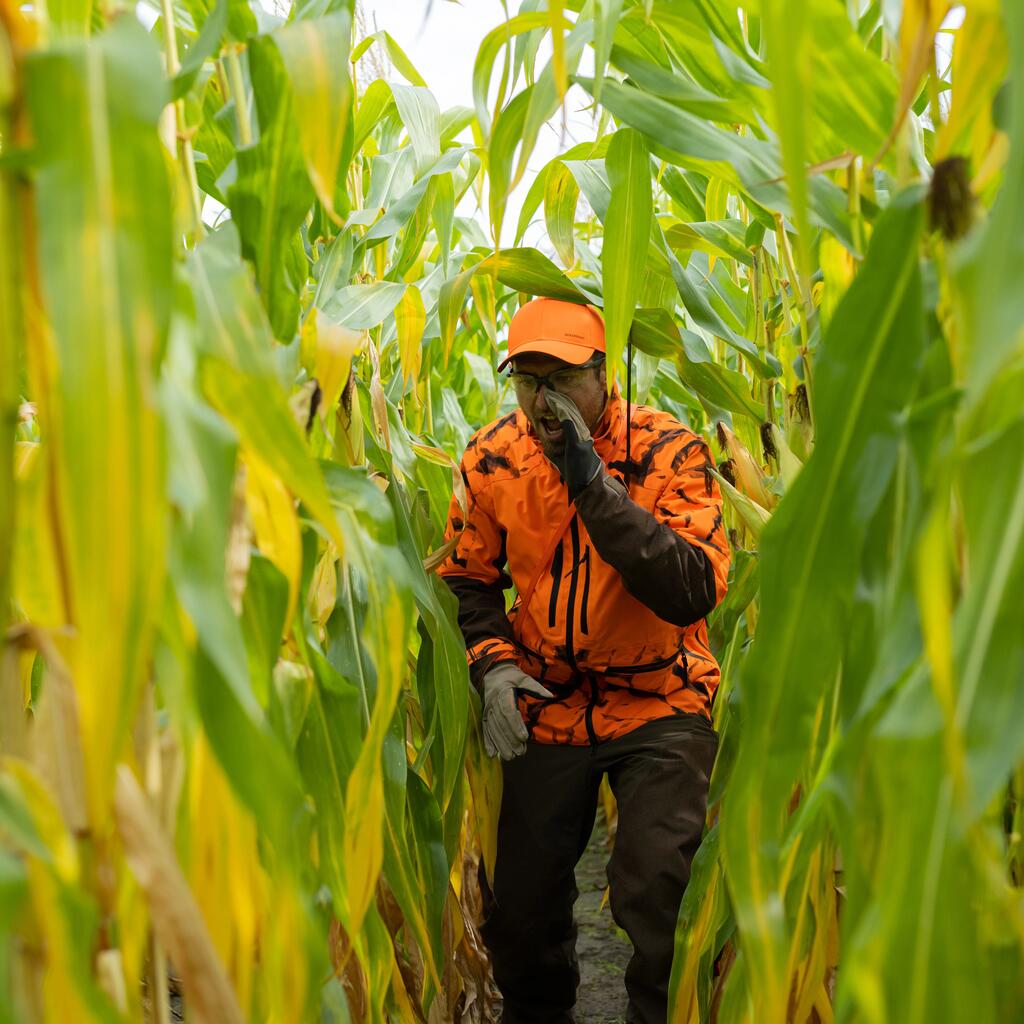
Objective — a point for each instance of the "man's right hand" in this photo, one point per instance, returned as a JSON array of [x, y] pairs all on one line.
[[505, 732]]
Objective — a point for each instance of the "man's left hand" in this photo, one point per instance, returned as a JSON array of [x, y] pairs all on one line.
[[580, 465]]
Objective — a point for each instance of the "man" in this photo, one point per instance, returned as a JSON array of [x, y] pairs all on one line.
[[613, 537]]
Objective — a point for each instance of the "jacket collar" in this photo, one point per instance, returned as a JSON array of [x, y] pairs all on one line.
[[609, 434]]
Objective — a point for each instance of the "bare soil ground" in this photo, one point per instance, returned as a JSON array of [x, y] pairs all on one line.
[[603, 949]]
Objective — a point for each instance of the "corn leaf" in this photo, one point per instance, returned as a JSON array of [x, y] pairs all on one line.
[[272, 191], [102, 183], [626, 238], [314, 53], [809, 552]]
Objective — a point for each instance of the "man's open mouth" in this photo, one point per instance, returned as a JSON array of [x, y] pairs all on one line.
[[551, 426]]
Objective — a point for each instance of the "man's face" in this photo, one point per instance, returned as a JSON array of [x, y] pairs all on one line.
[[587, 389]]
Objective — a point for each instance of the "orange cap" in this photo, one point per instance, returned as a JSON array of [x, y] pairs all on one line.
[[568, 331]]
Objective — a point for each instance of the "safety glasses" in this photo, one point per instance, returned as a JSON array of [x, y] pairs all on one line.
[[559, 380]]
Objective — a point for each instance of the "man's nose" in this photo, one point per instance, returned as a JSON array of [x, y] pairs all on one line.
[[542, 398]]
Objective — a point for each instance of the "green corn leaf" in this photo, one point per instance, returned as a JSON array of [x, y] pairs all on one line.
[[272, 191], [788, 37], [398, 57], [751, 164], [626, 238], [239, 377], [528, 270], [422, 119], [360, 306], [206, 45], [561, 193], [606, 19], [374, 104], [724, 238], [486, 54], [987, 275], [809, 555], [407, 861], [687, 95]]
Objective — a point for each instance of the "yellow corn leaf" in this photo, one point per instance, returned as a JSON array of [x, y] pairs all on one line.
[[315, 55], [37, 588], [921, 21], [440, 555], [46, 818], [134, 936], [176, 917], [284, 958], [105, 203], [63, 993], [935, 601], [485, 788], [401, 995], [482, 287], [697, 939], [334, 347], [223, 868], [275, 523], [979, 66], [63, 998], [324, 589], [837, 268], [410, 321]]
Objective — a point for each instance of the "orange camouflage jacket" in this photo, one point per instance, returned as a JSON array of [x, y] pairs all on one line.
[[615, 623]]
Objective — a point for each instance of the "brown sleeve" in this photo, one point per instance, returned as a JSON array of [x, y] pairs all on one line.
[[658, 566], [483, 622]]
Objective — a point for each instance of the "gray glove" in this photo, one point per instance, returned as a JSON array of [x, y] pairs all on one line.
[[579, 464], [505, 732]]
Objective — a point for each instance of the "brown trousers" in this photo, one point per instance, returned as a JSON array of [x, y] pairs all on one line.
[[659, 774]]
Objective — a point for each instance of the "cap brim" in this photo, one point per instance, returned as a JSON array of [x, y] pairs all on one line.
[[564, 350]]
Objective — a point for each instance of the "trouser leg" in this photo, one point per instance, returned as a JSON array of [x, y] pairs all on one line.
[[548, 805], [659, 775]]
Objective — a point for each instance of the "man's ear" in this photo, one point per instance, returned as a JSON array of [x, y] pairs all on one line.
[[602, 376]]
